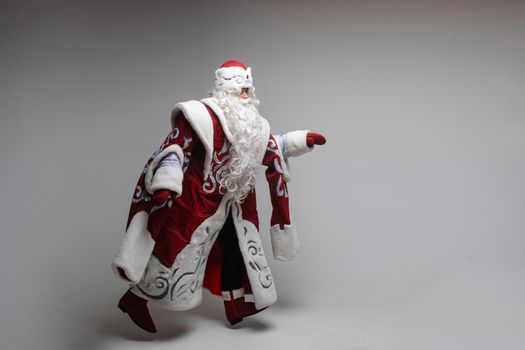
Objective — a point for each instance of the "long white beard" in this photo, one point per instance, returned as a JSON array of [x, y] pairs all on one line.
[[245, 124]]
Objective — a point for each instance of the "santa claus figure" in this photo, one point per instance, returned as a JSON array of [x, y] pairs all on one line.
[[193, 220]]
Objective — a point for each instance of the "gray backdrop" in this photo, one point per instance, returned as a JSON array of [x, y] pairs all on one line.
[[411, 215]]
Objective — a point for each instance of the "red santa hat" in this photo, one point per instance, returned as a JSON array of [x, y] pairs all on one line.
[[233, 76]]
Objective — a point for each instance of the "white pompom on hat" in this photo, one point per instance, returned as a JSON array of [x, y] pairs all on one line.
[[233, 76]]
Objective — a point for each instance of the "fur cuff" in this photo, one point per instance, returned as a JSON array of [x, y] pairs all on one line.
[[285, 243], [148, 181], [296, 143], [135, 250], [168, 178]]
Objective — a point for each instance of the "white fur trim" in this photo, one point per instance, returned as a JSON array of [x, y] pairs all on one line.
[[257, 268], [296, 143], [285, 243], [168, 178], [135, 250], [150, 178], [214, 106], [200, 120], [179, 287], [237, 293], [265, 131]]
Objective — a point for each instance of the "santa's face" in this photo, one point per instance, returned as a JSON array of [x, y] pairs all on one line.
[[244, 93]]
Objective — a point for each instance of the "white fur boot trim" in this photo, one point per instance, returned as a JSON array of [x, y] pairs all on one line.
[[285, 243]]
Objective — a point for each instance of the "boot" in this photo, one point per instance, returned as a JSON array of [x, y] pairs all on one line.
[[237, 308], [137, 310]]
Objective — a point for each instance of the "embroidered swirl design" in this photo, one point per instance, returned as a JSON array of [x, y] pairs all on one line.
[[264, 275], [171, 136], [160, 283], [280, 189], [272, 147], [185, 145], [218, 169]]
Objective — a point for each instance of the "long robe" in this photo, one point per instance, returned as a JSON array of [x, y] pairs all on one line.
[[171, 263]]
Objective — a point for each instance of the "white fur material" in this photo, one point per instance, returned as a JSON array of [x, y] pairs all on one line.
[[150, 180], [285, 243], [257, 268], [214, 106], [179, 287], [168, 178], [237, 293], [296, 143], [135, 249], [233, 78], [200, 120]]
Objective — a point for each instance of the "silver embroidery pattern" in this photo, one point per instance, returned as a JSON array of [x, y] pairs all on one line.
[[217, 170], [179, 287], [272, 146], [280, 189], [187, 141], [171, 136], [254, 256]]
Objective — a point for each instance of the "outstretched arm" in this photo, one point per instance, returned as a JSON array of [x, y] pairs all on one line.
[[299, 142]]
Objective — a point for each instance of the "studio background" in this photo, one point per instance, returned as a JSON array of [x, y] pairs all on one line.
[[411, 216]]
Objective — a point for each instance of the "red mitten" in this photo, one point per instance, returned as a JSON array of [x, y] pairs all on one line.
[[160, 204], [314, 139], [160, 197]]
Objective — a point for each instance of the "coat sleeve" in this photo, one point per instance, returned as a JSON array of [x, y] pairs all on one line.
[[293, 143], [285, 241], [164, 170]]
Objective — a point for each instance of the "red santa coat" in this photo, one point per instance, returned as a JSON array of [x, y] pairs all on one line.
[[171, 264]]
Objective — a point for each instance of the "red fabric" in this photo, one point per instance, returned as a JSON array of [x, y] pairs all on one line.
[[173, 224], [234, 63], [181, 132], [196, 203], [314, 139], [249, 209], [212, 276], [160, 205], [278, 188]]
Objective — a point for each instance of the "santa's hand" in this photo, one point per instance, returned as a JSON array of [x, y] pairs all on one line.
[[314, 139], [160, 197]]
